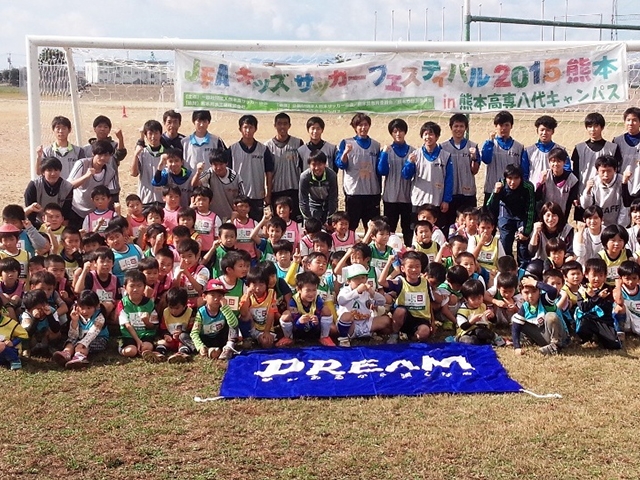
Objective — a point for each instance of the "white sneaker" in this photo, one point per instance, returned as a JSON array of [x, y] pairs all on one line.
[[344, 342]]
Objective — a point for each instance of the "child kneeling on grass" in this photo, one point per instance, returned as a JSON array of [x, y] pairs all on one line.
[[87, 332], [307, 316], [215, 329], [138, 319], [356, 301]]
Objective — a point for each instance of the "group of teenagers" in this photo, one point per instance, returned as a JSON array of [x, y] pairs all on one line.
[[224, 248]]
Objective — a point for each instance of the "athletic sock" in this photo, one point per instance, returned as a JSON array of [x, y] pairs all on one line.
[[325, 326]]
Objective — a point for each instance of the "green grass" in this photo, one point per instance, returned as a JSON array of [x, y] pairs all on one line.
[[129, 419], [8, 92]]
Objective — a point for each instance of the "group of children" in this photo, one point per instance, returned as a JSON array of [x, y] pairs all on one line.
[[198, 265]]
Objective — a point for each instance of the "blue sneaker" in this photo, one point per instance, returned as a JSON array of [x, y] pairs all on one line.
[[15, 365]]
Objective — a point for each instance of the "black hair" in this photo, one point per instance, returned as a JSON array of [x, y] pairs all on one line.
[[358, 118], [181, 231], [187, 212], [10, 264], [313, 255], [167, 189], [312, 225], [503, 117], [611, 231], [459, 118], [546, 121], [457, 274], [177, 296], [257, 274], [594, 118], [229, 260], [113, 228], [171, 114], [35, 260], [437, 271], [248, 120], [458, 238], [559, 153], [13, 212], [102, 120], [317, 156], [288, 201], [597, 210], [507, 280], [34, 298], [155, 208], [552, 272], [132, 197], [555, 244], [277, 222], [227, 227], [631, 111], [134, 276], [217, 156], [363, 249], [512, 171], [381, 225], [570, 265], [307, 278], [398, 123], [44, 277], [102, 147], [201, 115], [100, 190], [282, 116], [313, 120], [60, 120], [606, 161], [422, 223], [472, 288], [339, 216], [323, 237], [282, 245], [432, 127], [148, 263], [50, 163], [628, 268], [152, 126], [88, 298], [595, 265], [189, 245], [104, 253], [51, 260], [154, 230]]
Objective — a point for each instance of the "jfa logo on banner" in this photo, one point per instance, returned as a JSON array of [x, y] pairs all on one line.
[[411, 369]]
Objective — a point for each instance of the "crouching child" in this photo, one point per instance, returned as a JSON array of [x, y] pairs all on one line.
[[87, 332], [215, 329], [12, 335], [539, 318], [175, 327]]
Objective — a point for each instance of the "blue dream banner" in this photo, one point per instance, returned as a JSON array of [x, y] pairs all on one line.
[[407, 369], [407, 83]]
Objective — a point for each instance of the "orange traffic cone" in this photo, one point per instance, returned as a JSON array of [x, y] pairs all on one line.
[[124, 112]]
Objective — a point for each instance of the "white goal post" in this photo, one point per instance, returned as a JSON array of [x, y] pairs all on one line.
[[68, 43]]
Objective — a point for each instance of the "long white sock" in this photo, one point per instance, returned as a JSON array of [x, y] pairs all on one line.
[[325, 325]]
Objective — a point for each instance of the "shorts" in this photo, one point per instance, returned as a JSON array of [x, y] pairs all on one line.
[[127, 341], [411, 324], [362, 328], [99, 344]]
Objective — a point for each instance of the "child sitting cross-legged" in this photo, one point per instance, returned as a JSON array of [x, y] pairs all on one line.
[[308, 317], [87, 332], [538, 318], [175, 327]]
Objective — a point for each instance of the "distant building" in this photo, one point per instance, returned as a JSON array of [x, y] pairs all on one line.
[[128, 72]]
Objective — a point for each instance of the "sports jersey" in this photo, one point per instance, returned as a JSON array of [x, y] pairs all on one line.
[[182, 181], [489, 253], [465, 313], [632, 308], [379, 259], [415, 298], [86, 324], [243, 238], [148, 161], [107, 291], [127, 260], [201, 275], [396, 188], [430, 249], [225, 190], [210, 325], [68, 156], [431, 177], [46, 193], [584, 159], [22, 256], [196, 150], [287, 165], [207, 227], [176, 324], [130, 313], [135, 224], [82, 203], [342, 245], [497, 154], [260, 308], [613, 264], [98, 221], [12, 330], [609, 197], [298, 309], [464, 182], [170, 219], [234, 294], [536, 160], [292, 234], [629, 146], [559, 192], [361, 166], [252, 165], [329, 150]]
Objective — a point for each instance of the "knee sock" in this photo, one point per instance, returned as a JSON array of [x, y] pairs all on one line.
[[343, 328], [325, 326], [287, 329], [245, 329]]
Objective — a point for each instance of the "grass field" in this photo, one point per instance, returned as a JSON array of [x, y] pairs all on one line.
[[132, 420]]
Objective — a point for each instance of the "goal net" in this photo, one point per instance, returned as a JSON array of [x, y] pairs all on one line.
[[137, 84]]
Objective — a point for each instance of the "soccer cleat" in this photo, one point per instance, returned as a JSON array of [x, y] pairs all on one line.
[[551, 349], [393, 339], [327, 342], [284, 342], [344, 341], [61, 357], [214, 353], [15, 365], [77, 362], [178, 357]]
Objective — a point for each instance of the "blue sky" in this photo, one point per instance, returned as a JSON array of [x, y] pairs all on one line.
[[286, 20]]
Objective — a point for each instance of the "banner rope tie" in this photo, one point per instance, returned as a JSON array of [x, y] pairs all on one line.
[[536, 395]]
